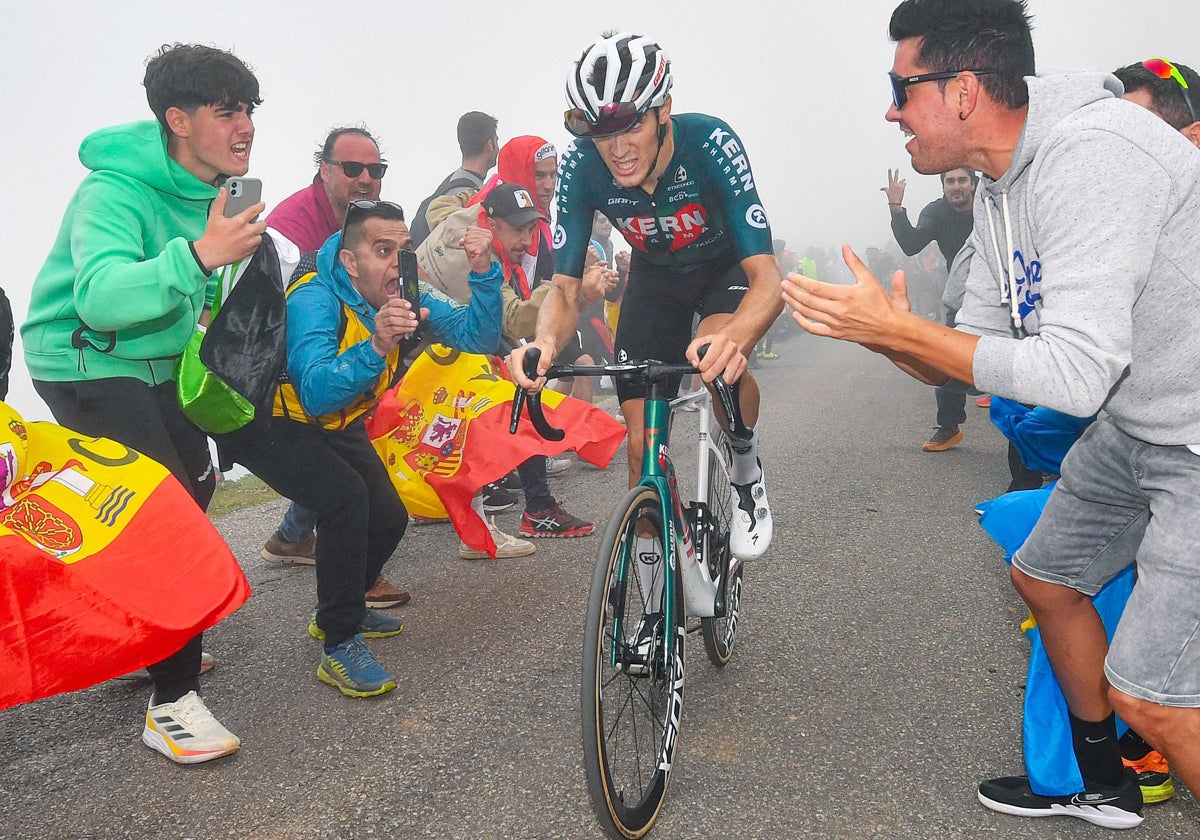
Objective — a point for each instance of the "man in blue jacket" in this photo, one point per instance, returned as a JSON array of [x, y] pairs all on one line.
[[346, 323]]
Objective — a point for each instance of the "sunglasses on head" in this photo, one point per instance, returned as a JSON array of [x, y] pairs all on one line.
[[354, 168], [363, 206], [1166, 70], [900, 84], [614, 118]]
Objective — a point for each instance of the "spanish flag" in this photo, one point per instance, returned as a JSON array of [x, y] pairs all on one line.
[[443, 434], [106, 563]]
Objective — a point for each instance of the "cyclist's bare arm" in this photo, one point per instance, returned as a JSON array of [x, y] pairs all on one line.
[[557, 321], [737, 336]]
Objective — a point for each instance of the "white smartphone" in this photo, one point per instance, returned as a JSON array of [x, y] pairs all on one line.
[[243, 193]]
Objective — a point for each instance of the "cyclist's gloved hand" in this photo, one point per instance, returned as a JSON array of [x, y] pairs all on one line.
[[722, 358]]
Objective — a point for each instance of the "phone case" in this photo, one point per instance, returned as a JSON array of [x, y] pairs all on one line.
[[242, 193]]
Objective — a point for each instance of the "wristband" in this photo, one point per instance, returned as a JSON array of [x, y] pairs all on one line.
[[192, 247]]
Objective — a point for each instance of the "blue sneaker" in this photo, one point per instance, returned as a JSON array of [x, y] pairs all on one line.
[[352, 670], [375, 625]]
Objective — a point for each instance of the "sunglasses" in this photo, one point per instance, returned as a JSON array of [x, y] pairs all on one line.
[[353, 168], [614, 118], [900, 84], [1166, 70], [363, 206]]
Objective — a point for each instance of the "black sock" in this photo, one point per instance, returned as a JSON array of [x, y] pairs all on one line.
[[1097, 751], [1134, 746]]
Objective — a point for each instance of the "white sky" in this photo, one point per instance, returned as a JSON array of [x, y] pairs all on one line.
[[802, 83]]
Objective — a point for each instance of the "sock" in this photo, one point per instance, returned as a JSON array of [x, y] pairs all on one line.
[[745, 468], [1134, 746], [649, 554], [1097, 751], [477, 506]]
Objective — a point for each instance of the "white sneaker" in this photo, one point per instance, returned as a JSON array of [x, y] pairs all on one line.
[[186, 731], [507, 546], [207, 663], [752, 528], [557, 466]]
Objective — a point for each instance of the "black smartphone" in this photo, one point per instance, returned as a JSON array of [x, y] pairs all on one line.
[[409, 284], [242, 193]]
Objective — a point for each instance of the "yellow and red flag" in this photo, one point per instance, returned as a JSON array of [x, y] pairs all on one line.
[[106, 563], [443, 434]]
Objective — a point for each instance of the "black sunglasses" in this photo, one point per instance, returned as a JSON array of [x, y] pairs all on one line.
[[353, 168], [900, 84], [364, 206]]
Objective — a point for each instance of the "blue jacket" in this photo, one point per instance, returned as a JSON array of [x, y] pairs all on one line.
[[331, 364]]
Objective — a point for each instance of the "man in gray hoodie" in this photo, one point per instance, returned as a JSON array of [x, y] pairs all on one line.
[[1082, 295]]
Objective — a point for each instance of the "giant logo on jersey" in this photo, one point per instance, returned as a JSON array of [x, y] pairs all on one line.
[[684, 227]]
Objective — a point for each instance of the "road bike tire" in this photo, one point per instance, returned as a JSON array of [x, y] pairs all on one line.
[[720, 632], [630, 720]]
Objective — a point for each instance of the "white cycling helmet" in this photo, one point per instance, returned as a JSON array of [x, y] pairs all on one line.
[[637, 77]]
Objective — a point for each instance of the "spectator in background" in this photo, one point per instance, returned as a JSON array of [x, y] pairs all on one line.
[[948, 222], [480, 147]]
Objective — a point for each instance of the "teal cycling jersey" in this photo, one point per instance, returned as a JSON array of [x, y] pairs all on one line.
[[705, 204]]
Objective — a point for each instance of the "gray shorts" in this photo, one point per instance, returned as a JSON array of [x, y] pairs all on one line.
[[1119, 500]]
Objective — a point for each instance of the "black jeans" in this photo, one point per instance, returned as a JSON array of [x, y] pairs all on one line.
[[535, 483], [338, 476], [951, 398], [951, 401], [146, 418]]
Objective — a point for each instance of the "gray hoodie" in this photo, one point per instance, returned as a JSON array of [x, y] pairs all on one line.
[[1088, 250]]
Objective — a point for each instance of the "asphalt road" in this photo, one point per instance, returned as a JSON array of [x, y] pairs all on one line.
[[878, 677]]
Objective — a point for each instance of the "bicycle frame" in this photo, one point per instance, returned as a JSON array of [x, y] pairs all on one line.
[[700, 589], [687, 521]]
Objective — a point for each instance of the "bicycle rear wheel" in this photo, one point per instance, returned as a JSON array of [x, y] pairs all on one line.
[[632, 688], [720, 632]]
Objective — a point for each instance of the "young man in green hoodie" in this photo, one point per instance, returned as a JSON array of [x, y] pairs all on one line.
[[126, 282]]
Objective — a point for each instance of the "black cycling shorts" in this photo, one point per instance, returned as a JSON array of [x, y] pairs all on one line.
[[660, 304]]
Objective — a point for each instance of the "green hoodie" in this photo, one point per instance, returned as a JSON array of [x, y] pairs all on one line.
[[120, 292]]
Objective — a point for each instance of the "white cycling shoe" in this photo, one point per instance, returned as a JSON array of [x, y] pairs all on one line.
[[752, 528]]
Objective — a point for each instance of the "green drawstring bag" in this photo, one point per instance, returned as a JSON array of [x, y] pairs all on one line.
[[229, 370], [205, 398]]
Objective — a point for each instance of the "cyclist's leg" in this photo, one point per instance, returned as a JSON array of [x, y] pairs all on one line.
[[753, 527], [749, 397], [656, 323]]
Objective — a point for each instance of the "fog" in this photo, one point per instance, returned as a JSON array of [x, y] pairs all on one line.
[[803, 84]]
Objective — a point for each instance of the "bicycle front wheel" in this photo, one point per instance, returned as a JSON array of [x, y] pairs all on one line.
[[720, 631], [633, 669]]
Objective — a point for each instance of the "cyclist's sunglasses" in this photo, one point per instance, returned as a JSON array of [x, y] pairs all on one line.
[[1166, 70], [900, 83], [615, 118], [353, 168], [362, 206]]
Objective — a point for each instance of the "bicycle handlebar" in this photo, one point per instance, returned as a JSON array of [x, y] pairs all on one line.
[[650, 370]]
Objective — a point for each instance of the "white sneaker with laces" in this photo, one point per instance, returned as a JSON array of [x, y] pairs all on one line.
[[752, 528], [186, 731], [507, 546]]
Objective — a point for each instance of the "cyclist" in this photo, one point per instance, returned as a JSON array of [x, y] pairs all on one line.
[[680, 189]]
